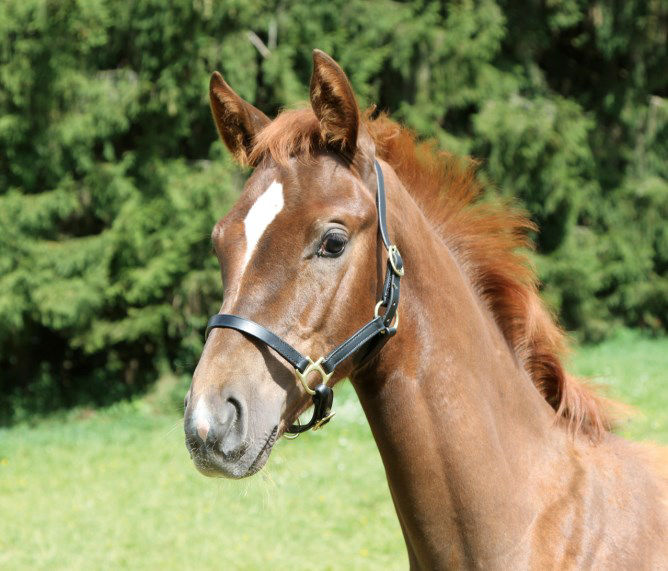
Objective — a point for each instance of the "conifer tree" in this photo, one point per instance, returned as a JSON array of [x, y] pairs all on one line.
[[111, 175]]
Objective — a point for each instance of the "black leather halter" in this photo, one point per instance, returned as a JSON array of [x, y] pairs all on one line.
[[365, 342]]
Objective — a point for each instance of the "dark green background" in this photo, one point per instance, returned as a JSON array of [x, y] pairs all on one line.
[[111, 175]]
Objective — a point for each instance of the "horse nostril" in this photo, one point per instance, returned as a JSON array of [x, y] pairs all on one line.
[[223, 428], [236, 410], [229, 415], [232, 429]]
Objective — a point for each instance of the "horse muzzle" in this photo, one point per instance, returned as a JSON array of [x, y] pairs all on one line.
[[219, 439]]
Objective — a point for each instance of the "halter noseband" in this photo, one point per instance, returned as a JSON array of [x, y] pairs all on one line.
[[366, 341]]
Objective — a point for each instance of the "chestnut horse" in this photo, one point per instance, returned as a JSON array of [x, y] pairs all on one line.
[[495, 456]]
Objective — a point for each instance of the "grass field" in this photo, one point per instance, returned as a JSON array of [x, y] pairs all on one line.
[[116, 489]]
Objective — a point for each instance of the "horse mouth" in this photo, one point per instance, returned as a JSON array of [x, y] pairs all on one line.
[[263, 454], [213, 463]]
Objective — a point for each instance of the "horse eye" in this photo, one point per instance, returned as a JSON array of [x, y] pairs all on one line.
[[332, 245]]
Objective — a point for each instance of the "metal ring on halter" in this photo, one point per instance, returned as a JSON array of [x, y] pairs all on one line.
[[317, 367], [392, 253], [293, 436], [394, 326]]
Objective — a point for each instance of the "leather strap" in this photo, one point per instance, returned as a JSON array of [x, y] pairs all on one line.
[[365, 342], [353, 344], [381, 204], [285, 350]]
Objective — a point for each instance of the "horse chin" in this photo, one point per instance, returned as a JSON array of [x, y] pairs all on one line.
[[210, 462]]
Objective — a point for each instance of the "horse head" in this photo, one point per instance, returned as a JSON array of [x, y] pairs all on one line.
[[299, 254]]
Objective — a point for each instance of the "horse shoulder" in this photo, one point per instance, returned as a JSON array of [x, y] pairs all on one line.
[[607, 509]]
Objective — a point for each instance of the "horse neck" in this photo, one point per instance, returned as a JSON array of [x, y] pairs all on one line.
[[458, 422]]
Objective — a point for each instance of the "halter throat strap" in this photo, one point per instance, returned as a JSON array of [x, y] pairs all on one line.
[[364, 343]]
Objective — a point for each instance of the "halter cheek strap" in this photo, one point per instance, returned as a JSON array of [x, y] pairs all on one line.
[[365, 342]]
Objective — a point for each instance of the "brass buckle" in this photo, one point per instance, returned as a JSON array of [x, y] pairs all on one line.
[[394, 325], [392, 252], [317, 367], [318, 425]]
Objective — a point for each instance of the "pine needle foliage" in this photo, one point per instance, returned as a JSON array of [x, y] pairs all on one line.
[[111, 175]]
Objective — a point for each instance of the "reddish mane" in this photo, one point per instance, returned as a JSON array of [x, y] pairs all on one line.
[[487, 238]]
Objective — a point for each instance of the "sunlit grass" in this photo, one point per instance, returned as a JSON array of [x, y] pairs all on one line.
[[634, 370], [116, 489]]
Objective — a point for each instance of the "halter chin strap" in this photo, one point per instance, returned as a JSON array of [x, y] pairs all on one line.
[[365, 342]]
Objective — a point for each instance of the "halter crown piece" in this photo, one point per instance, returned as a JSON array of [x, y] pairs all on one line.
[[366, 342]]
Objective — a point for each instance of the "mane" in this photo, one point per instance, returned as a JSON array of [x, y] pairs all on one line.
[[489, 239]]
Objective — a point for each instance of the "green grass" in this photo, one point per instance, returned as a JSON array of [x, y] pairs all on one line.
[[116, 488], [634, 370]]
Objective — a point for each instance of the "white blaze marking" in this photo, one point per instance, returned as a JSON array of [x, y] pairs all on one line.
[[260, 215]]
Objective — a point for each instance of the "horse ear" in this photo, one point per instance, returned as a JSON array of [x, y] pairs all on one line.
[[333, 103], [236, 120]]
